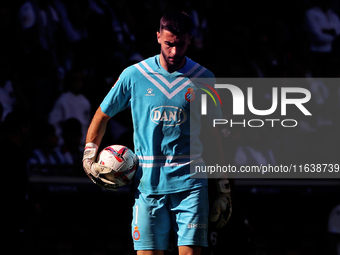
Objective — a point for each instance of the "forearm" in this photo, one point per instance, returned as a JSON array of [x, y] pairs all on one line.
[[97, 127], [219, 153], [222, 208], [94, 137]]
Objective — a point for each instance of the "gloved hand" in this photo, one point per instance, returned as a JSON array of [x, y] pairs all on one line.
[[221, 210], [93, 169]]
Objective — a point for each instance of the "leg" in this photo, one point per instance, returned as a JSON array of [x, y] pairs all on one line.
[[189, 217], [150, 224], [150, 252], [189, 250]]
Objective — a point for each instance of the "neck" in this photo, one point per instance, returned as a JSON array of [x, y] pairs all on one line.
[[169, 68]]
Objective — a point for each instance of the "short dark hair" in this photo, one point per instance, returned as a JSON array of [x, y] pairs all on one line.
[[177, 23]]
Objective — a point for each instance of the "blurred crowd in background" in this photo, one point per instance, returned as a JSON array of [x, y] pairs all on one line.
[[59, 58]]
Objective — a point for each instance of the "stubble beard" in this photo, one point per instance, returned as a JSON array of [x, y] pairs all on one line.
[[172, 65]]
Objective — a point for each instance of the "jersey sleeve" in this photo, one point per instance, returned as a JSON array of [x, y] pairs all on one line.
[[119, 96]]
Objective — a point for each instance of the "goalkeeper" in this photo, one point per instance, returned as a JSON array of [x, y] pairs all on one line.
[[160, 92]]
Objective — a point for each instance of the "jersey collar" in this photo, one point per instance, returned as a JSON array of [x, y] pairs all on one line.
[[179, 72]]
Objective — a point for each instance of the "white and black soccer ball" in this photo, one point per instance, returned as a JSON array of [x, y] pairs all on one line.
[[122, 161]]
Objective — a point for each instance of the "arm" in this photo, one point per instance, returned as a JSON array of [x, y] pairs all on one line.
[[222, 207], [97, 127], [219, 151], [94, 137]]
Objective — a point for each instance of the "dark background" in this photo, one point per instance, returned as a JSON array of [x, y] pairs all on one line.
[[62, 212]]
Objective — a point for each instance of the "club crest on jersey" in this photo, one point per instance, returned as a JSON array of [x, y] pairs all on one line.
[[189, 95], [136, 234], [168, 115]]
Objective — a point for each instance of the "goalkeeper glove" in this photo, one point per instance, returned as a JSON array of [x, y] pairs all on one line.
[[93, 169], [222, 207]]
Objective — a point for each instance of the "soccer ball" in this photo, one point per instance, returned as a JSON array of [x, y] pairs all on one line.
[[122, 161]]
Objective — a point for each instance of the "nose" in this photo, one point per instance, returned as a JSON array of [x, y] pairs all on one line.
[[173, 51]]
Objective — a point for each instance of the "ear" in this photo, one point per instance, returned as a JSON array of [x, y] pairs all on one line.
[[190, 37], [159, 37]]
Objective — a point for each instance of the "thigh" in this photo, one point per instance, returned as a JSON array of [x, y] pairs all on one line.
[[190, 212], [151, 222]]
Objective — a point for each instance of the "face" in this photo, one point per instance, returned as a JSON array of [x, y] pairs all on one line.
[[173, 48]]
